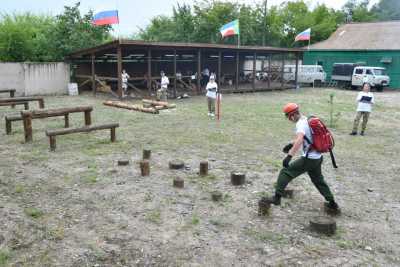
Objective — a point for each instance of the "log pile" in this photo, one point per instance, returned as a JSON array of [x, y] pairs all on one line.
[[159, 105], [119, 104]]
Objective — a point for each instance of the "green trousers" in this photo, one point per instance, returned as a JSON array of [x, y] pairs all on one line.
[[300, 166], [365, 116]]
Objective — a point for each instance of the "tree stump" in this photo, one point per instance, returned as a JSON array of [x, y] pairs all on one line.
[[288, 193], [323, 225], [332, 212], [203, 168], [263, 206], [238, 178], [146, 153], [179, 183], [216, 196], [145, 167], [176, 164], [123, 162]]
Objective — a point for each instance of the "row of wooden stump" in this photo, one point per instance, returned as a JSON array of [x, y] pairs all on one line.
[[320, 224]]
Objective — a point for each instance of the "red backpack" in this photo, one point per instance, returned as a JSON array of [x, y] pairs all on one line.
[[322, 138]]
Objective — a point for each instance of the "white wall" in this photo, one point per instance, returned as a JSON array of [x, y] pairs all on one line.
[[35, 78]]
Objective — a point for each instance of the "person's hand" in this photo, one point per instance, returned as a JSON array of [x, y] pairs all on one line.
[[287, 148], [286, 161]]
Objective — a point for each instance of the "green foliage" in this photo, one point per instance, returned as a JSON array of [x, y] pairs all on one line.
[[4, 257], [387, 10], [33, 212]]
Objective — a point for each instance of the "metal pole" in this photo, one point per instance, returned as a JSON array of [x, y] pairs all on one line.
[[219, 70], [149, 70], [283, 69], [237, 71], [93, 74], [198, 71], [119, 70], [175, 73]]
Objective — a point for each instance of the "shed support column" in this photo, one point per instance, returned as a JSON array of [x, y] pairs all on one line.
[[254, 70], [269, 71], [149, 80], [297, 71], [119, 70], [198, 71], [283, 70], [219, 70], [93, 74], [237, 71], [175, 73]]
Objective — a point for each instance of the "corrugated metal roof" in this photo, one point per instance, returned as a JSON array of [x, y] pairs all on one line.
[[363, 36], [166, 45]]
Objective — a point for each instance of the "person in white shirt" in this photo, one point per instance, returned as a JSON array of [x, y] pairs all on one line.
[[212, 89], [162, 92], [125, 76], [365, 100]]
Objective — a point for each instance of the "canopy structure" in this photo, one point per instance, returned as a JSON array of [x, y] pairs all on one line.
[[188, 66]]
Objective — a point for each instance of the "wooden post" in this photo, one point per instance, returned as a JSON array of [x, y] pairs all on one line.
[[323, 225], [176, 164], [237, 70], [283, 70], [93, 74], [269, 71], [66, 119], [52, 140], [119, 70], [27, 119], [41, 103], [175, 73], [179, 183], [219, 70], [297, 71], [146, 153], [12, 95], [145, 168], [238, 178], [88, 118], [203, 168], [26, 106], [149, 80], [198, 71], [8, 126], [254, 70], [113, 134]]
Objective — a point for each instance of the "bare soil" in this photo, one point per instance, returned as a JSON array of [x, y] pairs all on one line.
[[77, 207]]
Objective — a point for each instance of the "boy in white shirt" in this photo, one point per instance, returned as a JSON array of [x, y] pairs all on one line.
[[162, 92], [125, 76], [212, 88], [365, 100]]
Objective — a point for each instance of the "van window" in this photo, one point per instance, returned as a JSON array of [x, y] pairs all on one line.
[[359, 71], [379, 72], [369, 72]]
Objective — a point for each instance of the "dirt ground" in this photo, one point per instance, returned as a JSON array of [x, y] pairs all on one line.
[[76, 207]]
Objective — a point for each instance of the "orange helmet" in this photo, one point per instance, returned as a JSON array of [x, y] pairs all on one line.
[[290, 108]]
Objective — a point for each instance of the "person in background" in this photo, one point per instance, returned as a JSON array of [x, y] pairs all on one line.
[[162, 92], [212, 88], [365, 100], [205, 76], [125, 77]]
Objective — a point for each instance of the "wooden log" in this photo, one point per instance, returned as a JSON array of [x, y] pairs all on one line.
[[216, 196], [9, 120], [27, 120], [112, 132], [145, 168], [123, 162], [323, 225], [82, 129], [203, 168], [13, 104], [179, 183], [46, 113], [146, 153], [288, 193], [158, 104], [119, 104], [238, 178], [14, 100], [66, 120], [263, 206], [176, 164], [52, 140], [88, 118]]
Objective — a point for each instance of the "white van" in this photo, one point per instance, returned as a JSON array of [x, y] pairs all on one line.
[[375, 76], [310, 74]]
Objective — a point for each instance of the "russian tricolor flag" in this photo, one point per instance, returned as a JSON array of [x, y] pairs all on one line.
[[304, 36], [106, 18]]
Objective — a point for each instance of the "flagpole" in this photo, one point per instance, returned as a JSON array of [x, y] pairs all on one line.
[[119, 24], [309, 39]]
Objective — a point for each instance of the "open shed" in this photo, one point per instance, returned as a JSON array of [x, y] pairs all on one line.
[[237, 68]]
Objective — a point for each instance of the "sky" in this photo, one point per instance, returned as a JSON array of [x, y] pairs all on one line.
[[133, 14]]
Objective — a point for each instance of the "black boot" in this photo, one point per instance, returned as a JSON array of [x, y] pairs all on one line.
[[332, 205], [353, 133], [362, 133], [276, 200]]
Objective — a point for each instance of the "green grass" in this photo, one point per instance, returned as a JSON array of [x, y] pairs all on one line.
[[4, 257], [33, 212], [154, 216]]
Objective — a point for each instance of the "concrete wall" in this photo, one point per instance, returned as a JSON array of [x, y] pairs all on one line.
[[35, 78]]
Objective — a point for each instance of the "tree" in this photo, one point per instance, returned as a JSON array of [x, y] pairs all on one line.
[[359, 10], [387, 10]]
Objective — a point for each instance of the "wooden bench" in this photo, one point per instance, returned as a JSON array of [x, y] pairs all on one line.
[[10, 91], [53, 133], [40, 100], [28, 115], [13, 104]]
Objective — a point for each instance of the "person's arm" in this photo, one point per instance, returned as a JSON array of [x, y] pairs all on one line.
[[298, 142], [358, 97], [372, 99]]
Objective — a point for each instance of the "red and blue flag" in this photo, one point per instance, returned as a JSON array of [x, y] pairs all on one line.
[[304, 36], [106, 18]]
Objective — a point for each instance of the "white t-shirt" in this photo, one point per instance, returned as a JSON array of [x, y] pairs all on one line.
[[303, 127], [164, 82], [212, 88], [125, 77], [365, 101]]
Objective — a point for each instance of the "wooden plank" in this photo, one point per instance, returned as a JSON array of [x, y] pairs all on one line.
[[45, 113], [14, 100], [81, 129], [7, 90]]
